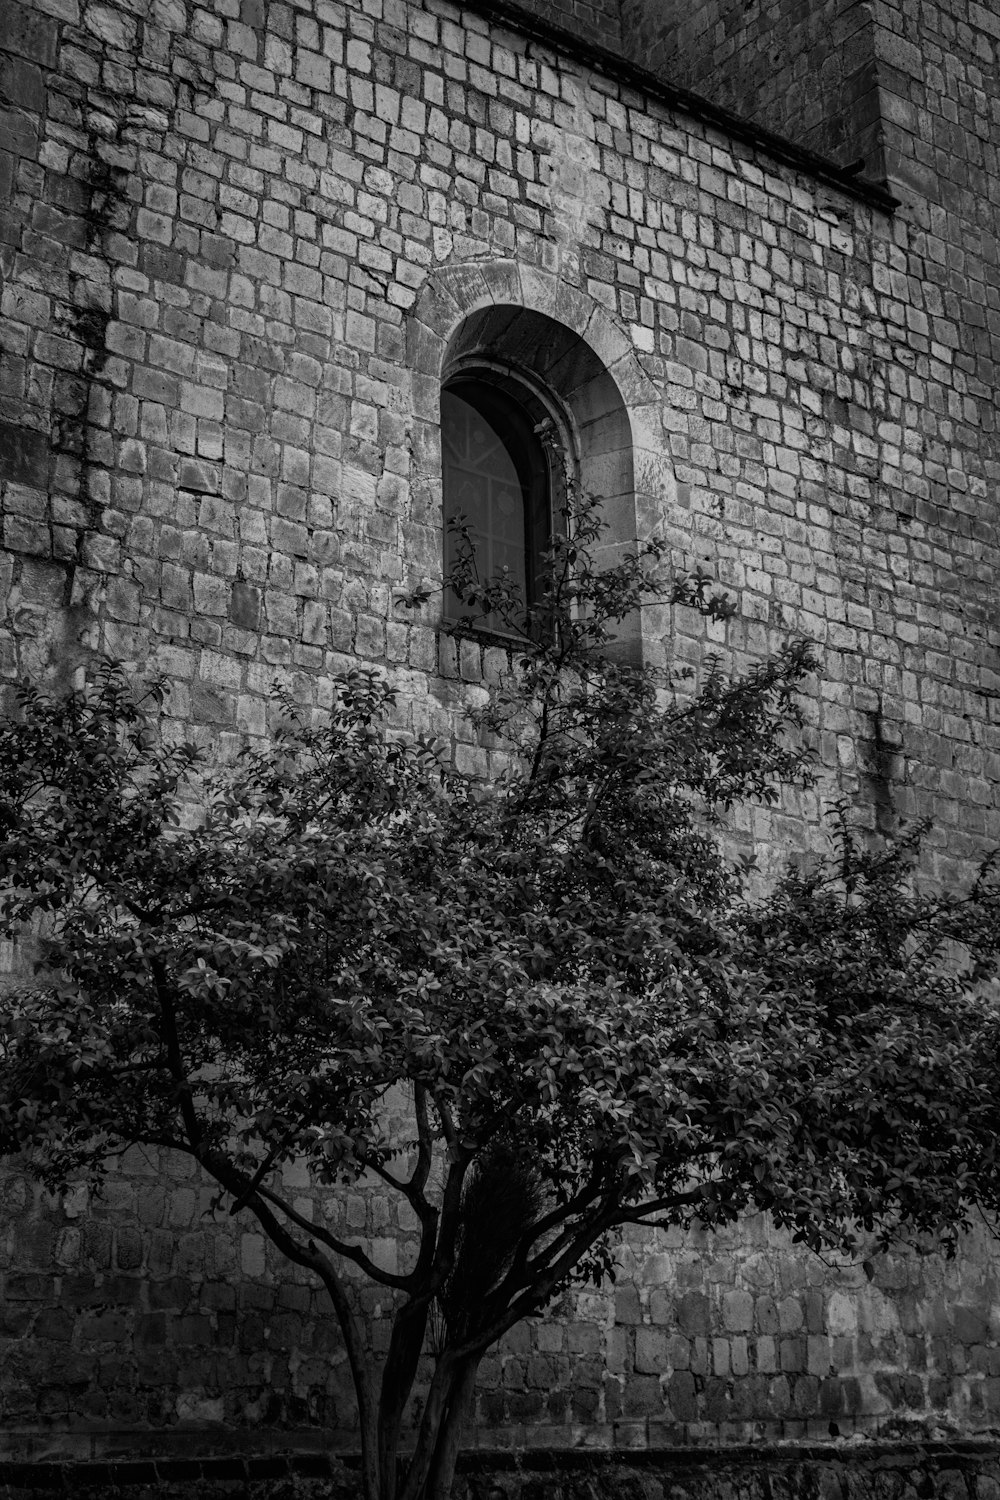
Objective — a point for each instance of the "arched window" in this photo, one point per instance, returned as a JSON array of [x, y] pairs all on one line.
[[498, 477], [498, 320]]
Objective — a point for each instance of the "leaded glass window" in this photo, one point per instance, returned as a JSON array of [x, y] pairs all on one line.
[[496, 477]]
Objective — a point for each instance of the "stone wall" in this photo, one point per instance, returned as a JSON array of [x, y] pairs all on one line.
[[146, 1323], [239, 244], [939, 86], [597, 21], [801, 68]]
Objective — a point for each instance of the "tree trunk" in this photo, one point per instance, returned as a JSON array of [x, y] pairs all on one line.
[[460, 1406], [398, 1375], [448, 1401]]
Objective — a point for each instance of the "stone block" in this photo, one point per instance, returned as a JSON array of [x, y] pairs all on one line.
[[651, 1351], [682, 1397], [28, 34], [790, 1314], [245, 605], [738, 1311], [22, 84], [24, 455], [627, 1309], [693, 1314]]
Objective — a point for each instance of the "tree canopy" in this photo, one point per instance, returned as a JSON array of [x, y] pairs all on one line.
[[535, 1010]]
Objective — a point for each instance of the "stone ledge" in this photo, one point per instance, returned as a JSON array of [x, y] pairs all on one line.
[[958, 1470]]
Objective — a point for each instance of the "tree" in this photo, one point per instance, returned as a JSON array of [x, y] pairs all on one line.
[[536, 1010]]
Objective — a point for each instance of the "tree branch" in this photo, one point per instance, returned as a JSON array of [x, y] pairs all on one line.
[[339, 1247], [541, 1291], [447, 1124], [425, 1141], [308, 1256], [662, 1205], [542, 1275], [395, 1183]]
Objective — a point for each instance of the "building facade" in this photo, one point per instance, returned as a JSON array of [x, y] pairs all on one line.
[[747, 254]]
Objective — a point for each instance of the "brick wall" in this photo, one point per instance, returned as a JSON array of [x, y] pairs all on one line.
[[226, 228]]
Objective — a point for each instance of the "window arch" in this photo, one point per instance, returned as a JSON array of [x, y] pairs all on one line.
[[559, 339], [501, 480]]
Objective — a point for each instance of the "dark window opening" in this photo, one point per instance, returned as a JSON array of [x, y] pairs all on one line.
[[497, 475]]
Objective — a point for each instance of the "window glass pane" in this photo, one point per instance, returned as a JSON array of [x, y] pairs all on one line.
[[481, 483]]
